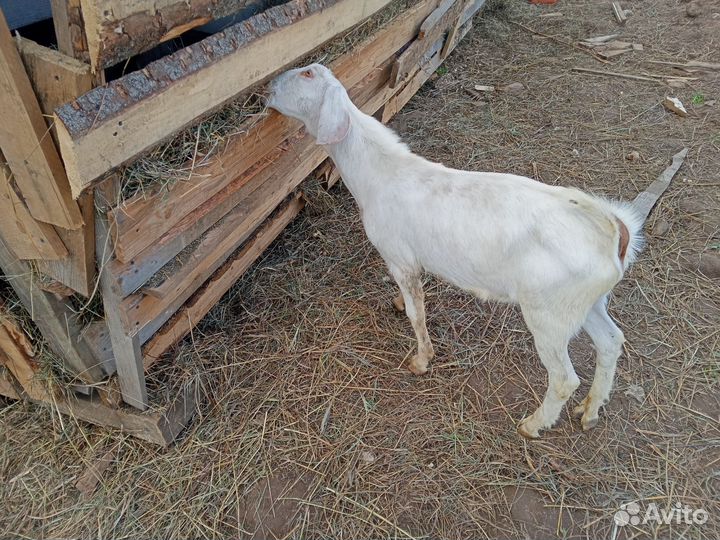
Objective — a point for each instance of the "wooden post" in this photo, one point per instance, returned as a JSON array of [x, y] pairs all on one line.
[[27, 145], [126, 347], [54, 319], [70, 29]]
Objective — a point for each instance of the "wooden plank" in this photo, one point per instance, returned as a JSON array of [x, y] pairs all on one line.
[[159, 428], [99, 131], [70, 29], [146, 313], [26, 237], [53, 317], [424, 71], [139, 222], [645, 201], [218, 285], [146, 23], [619, 13], [28, 148], [130, 276], [97, 336], [77, 270], [434, 18], [57, 79], [126, 348], [407, 61], [421, 73], [17, 356]]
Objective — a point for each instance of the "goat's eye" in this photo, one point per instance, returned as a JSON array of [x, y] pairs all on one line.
[[308, 74]]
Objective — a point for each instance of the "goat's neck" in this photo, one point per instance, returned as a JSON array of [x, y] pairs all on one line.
[[363, 157]]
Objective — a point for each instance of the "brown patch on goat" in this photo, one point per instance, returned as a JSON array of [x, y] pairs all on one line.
[[624, 240]]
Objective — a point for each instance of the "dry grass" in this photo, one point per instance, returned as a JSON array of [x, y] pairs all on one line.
[[309, 426]]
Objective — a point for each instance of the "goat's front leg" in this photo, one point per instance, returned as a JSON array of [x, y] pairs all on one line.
[[414, 300]]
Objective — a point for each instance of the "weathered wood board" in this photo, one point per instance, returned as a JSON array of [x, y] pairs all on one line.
[[28, 148], [117, 30], [57, 79], [26, 237]]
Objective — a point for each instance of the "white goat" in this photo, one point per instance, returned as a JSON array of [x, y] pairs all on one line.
[[557, 252]]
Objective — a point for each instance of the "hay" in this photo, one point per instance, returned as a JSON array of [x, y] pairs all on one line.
[[304, 401]]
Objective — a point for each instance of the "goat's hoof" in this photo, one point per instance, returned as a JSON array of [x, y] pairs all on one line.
[[580, 409], [399, 304], [526, 431], [583, 410], [588, 423], [417, 367]]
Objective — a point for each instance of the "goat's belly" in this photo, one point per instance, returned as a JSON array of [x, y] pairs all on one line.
[[482, 284]]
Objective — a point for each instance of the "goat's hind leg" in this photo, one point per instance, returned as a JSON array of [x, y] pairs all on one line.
[[414, 303], [608, 340], [552, 335]]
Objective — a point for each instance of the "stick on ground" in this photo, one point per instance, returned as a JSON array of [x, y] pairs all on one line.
[[645, 201]]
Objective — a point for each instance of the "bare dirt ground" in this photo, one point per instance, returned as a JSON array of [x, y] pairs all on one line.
[[310, 427]]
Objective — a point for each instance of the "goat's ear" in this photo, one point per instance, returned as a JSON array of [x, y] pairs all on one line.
[[334, 121]]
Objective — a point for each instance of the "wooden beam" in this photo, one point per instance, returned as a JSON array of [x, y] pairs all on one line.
[[126, 348], [26, 143], [97, 336], [222, 280], [435, 18], [146, 313], [99, 131], [26, 237], [70, 29], [160, 428], [58, 79], [146, 23], [57, 323]]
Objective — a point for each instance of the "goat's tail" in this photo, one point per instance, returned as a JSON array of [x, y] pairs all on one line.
[[631, 240]]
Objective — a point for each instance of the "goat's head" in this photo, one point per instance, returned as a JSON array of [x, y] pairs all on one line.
[[314, 96]]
